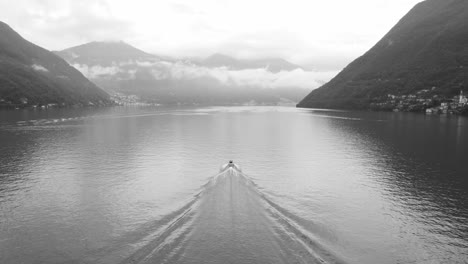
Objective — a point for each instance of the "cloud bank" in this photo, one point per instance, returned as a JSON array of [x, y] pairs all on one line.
[[162, 70]]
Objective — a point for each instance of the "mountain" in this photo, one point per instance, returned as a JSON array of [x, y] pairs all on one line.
[[121, 69], [103, 53], [272, 64], [427, 50], [32, 75]]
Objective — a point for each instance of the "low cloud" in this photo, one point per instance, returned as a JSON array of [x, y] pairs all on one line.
[[161, 70], [94, 72], [38, 67], [260, 77]]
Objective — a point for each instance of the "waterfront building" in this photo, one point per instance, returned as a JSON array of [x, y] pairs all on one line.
[[462, 98]]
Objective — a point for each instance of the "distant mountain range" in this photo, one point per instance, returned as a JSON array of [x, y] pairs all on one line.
[[427, 50], [271, 64], [105, 53], [31, 75], [120, 68]]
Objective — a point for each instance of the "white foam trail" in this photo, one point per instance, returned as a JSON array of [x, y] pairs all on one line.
[[228, 221]]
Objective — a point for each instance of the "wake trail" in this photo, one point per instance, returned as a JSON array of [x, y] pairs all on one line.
[[229, 221]]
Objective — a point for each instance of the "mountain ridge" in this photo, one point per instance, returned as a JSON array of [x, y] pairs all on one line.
[[30, 74], [272, 64], [105, 52], [426, 49], [216, 80]]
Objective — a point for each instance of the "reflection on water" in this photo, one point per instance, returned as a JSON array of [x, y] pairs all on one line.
[[123, 185]]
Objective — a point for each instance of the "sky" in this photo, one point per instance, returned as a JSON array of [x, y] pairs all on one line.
[[324, 35]]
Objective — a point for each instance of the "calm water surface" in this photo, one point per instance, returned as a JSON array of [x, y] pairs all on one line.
[[142, 185]]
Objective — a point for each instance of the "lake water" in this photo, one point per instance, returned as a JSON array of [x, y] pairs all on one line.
[[143, 185]]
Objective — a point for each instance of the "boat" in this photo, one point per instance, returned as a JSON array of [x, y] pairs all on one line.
[[230, 165]]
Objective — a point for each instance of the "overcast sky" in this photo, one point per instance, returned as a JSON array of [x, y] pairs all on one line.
[[326, 34]]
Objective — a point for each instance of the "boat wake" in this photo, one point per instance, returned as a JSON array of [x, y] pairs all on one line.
[[229, 221]]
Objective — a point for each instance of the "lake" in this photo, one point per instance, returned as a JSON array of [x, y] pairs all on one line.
[[143, 185]]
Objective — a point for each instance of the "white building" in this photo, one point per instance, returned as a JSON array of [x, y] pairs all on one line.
[[462, 99]]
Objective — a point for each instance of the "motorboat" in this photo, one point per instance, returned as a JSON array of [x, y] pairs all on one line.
[[230, 165]]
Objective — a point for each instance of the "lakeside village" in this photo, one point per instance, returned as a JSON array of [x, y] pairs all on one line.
[[116, 99], [422, 101], [24, 104]]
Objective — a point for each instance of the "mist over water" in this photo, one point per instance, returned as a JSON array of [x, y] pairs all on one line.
[[142, 185]]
